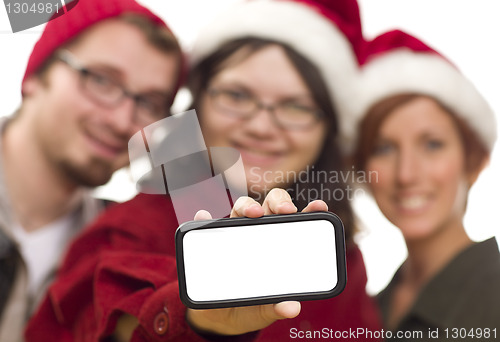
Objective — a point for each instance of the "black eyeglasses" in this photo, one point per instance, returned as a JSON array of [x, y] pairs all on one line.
[[287, 115], [109, 93]]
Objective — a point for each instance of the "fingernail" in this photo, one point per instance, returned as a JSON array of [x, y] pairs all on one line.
[[287, 205], [255, 205]]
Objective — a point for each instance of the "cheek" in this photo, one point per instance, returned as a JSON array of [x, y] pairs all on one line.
[[451, 176], [447, 170], [215, 128], [57, 119], [307, 145], [380, 176], [72, 110], [211, 132]]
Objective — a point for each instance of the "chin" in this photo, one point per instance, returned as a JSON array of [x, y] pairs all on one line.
[[91, 176], [91, 180], [415, 232]]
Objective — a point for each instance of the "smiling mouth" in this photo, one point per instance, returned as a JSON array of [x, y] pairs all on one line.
[[103, 149], [412, 203], [258, 157]]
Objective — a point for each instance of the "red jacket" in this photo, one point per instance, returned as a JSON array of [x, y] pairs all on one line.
[[125, 263]]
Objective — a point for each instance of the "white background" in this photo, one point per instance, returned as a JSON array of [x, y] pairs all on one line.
[[466, 31]]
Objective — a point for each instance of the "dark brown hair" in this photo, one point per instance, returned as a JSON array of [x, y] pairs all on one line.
[[329, 159], [475, 151]]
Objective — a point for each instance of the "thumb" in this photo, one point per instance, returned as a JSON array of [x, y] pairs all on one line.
[[202, 215], [281, 310]]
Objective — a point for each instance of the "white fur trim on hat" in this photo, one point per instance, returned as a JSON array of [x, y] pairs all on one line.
[[298, 25], [426, 73]]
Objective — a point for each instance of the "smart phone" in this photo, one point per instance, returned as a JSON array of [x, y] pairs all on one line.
[[252, 261]]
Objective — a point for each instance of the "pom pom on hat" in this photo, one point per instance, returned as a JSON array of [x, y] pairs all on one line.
[[396, 62], [328, 33], [68, 26]]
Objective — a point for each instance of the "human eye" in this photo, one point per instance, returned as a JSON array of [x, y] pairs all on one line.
[[293, 108], [154, 106], [101, 81], [236, 96], [235, 101], [433, 144], [382, 148]]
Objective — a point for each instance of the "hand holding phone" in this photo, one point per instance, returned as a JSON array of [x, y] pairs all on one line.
[[240, 320]]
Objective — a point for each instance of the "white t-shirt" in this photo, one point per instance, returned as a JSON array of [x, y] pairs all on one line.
[[41, 249]]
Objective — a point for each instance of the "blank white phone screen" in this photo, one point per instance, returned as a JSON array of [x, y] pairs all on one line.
[[260, 260]]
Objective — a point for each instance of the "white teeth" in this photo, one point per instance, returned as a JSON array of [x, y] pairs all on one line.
[[412, 203], [258, 153]]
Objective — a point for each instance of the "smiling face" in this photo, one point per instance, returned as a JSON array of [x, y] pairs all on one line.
[[267, 149], [76, 134], [420, 162]]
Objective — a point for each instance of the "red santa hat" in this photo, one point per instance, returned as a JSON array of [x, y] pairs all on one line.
[[75, 20], [328, 33], [396, 62]]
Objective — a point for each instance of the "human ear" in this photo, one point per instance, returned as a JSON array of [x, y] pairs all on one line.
[[31, 85]]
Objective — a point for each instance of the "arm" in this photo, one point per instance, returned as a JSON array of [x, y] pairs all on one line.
[[123, 267]]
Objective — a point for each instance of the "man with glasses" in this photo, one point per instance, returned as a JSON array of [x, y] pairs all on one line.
[[98, 74]]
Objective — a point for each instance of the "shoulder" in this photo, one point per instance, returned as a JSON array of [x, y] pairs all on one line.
[[481, 296], [139, 210], [481, 304], [143, 219]]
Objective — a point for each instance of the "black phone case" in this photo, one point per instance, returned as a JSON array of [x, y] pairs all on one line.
[[244, 221]]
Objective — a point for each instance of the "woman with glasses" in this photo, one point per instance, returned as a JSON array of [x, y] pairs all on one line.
[[273, 90], [427, 133]]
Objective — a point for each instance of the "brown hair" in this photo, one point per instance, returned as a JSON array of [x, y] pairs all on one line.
[[329, 159], [475, 151], [158, 36]]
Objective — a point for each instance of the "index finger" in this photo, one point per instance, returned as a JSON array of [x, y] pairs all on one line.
[[278, 201], [317, 205], [246, 206]]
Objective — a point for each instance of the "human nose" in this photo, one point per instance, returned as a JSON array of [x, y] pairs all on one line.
[[122, 117], [263, 122], [407, 167]]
